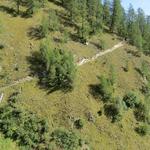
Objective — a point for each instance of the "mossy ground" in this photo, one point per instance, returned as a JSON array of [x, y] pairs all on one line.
[[57, 107]]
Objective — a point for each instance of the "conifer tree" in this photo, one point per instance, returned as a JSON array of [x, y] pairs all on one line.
[[106, 12], [141, 20], [59, 66], [83, 23], [94, 13], [116, 16]]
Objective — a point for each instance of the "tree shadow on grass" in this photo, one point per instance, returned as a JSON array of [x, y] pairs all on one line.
[[55, 2], [38, 70], [94, 91], [35, 33]]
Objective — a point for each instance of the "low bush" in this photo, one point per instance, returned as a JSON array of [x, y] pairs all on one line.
[[102, 44], [1, 46], [115, 110], [105, 89], [23, 126], [131, 99], [141, 112], [143, 129], [65, 139], [65, 37], [44, 27], [79, 124]]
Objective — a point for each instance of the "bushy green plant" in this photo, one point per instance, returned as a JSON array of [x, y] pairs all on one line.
[[44, 27], [65, 37], [131, 99], [23, 126], [54, 23], [113, 111], [126, 67], [141, 112], [112, 75], [79, 124], [65, 139], [102, 44], [33, 6], [105, 88], [143, 129], [59, 66]]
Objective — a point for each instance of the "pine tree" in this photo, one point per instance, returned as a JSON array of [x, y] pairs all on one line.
[[122, 30], [83, 23], [59, 66], [134, 33], [106, 13], [116, 16], [94, 13], [141, 20], [146, 36]]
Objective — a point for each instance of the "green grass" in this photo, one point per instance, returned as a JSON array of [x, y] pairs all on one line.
[[58, 107], [7, 144]]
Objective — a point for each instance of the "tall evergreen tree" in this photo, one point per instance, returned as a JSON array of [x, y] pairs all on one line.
[[134, 33], [122, 31], [141, 20], [146, 35], [106, 13], [83, 22], [116, 16], [94, 13]]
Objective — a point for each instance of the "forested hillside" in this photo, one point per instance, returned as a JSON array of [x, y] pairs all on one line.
[[74, 75]]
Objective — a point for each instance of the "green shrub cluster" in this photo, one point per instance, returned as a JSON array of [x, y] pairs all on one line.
[[31, 132], [59, 67], [23, 126], [143, 129], [141, 112], [105, 89], [65, 139], [131, 99], [114, 110], [49, 23], [79, 124]]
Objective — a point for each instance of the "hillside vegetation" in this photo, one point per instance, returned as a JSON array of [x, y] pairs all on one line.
[[52, 103]]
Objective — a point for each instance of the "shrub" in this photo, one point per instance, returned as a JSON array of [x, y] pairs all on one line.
[[1, 46], [65, 139], [126, 67], [23, 126], [102, 44], [65, 37], [79, 124], [59, 66], [131, 100], [143, 129], [33, 6], [113, 112], [112, 75], [54, 23], [105, 88], [44, 27], [141, 112]]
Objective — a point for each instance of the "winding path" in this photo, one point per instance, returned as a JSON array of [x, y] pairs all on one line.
[[84, 61], [80, 63]]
